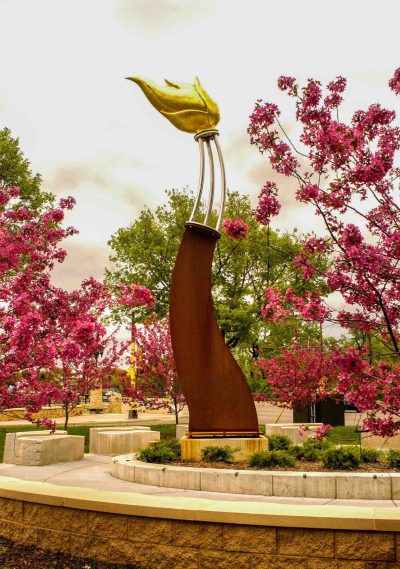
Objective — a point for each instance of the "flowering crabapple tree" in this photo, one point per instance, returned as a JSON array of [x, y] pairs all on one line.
[[54, 346], [29, 248], [346, 171], [298, 376], [158, 384]]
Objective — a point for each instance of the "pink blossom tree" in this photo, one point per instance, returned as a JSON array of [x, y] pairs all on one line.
[[158, 384], [347, 173], [298, 376], [54, 344]]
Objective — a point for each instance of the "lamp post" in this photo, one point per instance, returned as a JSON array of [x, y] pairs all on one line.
[[133, 412]]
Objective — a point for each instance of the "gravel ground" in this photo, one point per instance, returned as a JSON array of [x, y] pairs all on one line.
[[14, 556]]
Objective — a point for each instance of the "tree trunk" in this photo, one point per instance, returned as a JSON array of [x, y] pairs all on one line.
[[66, 406]]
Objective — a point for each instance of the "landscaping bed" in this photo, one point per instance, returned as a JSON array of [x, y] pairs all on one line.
[[330, 454]]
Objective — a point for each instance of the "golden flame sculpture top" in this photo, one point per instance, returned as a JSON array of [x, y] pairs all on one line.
[[188, 106]]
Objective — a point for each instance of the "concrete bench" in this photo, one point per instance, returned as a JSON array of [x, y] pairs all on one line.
[[374, 441], [292, 431], [112, 441], [37, 448]]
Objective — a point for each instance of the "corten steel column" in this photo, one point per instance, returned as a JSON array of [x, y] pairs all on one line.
[[217, 393], [218, 396]]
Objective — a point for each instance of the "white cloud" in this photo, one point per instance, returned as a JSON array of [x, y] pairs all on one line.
[[93, 135]]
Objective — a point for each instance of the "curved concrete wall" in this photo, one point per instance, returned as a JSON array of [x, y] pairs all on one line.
[[334, 485], [158, 532]]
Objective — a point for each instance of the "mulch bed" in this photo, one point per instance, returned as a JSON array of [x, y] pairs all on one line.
[[15, 556], [301, 466]]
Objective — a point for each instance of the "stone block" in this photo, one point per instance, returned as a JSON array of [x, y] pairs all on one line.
[[54, 540], [297, 437], [149, 474], [94, 432], [276, 428], [147, 530], [304, 485], [178, 477], [107, 525], [368, 546], [236, 482], [309, 542], [363, 486], [39, 449], [282, 562], [181, 431], [255, 539], [191, 447], [115, 442], [198, 535], [224, 560], [123, 468], [380, 442], [11, 510], [67, 518]]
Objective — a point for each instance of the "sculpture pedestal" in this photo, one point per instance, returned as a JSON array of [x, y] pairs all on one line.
[[191, 447]]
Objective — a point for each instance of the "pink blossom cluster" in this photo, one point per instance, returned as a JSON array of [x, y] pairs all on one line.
[[268, 204], [54, 345], [346, 172], [298, 376], [236, 229], [280, 307], [322, 431], [158, 384], [135, 295]]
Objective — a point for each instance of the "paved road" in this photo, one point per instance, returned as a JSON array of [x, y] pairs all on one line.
[[266, 414]]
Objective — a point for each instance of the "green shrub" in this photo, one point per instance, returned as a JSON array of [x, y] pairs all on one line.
[[313, 449], [279, 442], [341, 458], [161, 451], [272, 458], [369, 455], [218, 453], [393, 458], [297, 451]]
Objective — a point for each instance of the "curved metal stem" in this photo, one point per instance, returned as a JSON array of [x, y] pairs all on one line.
[[201, 180], [212, 181], [223, 184]]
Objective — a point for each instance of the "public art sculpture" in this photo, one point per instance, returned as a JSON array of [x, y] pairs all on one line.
[[218, 396]]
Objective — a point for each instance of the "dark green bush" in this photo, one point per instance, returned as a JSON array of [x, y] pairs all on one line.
[[297, 451], [161, 451], [218, 453], [313, 449], [271, 458], [279, 442], [369, 455], [341, 458], [393, 458]]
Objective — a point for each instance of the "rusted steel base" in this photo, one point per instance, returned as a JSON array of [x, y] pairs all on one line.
[[218, 396]]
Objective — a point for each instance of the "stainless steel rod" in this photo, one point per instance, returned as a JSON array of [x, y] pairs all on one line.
[[212, 182], [223, 184], [201, 180]]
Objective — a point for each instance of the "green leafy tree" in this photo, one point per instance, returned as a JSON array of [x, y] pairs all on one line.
[[144, 253], [15, 171]]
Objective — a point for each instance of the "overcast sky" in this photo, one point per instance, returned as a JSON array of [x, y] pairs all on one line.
[[93, 135]]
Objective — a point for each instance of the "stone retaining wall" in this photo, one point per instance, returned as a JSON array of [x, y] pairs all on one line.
[[155, 543], [334, 485], [179, 533]]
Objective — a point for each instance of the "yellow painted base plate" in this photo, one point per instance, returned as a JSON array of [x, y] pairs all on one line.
[[191, 448]]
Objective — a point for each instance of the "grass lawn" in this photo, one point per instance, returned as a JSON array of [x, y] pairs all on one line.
[[167, 432], [338, 435]]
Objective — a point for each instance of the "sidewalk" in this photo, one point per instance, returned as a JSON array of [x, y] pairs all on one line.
[[94, 472], [117, 419]]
